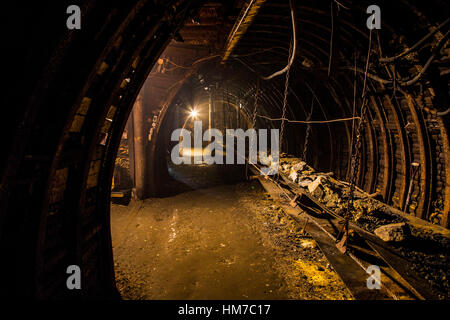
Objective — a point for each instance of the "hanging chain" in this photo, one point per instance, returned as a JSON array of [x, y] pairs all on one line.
[[286, 91], [308, 131], [355, 157], [255, 107], [359, 132]]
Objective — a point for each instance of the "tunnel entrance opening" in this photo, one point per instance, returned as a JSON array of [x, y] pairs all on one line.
[[203, 126], [190, 229]]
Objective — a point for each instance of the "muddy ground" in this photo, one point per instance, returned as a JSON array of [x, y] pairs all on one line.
[[223, 242]]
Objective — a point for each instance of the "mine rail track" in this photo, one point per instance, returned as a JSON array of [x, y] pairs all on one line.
[[398, 281]]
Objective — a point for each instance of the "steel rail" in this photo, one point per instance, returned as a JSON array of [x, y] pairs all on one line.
[[402, 280]]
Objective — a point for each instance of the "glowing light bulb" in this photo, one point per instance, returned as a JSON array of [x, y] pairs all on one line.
[[194, 113]]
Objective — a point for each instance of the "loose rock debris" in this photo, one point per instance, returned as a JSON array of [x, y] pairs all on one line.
[[308, 273], [426, 250], [392, 232], [369, 213]]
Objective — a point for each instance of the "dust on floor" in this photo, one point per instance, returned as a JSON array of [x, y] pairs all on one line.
[[225, 242]]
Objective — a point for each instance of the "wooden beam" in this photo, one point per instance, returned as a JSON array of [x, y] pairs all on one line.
[[139, 147], [245, 19], [130, 140]]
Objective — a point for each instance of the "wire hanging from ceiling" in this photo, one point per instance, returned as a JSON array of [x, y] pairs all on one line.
[[308, 130], [294, 48], [331, 39], [416, 45], [309, 121]]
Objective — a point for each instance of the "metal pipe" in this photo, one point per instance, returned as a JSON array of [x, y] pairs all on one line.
[[443, 113], [415, 46]]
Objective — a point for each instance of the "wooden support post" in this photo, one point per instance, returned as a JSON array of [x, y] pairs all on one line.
[[139, 147], [130, 140]]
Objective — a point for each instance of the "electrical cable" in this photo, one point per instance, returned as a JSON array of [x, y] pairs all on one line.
[[411, 80], [294, 36], [416, 45], [308, 122]]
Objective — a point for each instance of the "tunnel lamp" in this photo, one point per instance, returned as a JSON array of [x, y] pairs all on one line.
[[193, 113]]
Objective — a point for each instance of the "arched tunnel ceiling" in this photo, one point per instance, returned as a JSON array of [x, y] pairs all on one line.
[[332, 39], [71, 108]]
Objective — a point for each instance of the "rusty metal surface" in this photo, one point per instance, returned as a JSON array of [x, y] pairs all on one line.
[[348, 270], [401, 266]]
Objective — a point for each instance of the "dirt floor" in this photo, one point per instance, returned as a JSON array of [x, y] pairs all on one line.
[[223, 242]]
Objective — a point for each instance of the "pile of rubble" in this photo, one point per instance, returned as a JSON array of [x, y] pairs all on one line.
[[368, 212], [425, 249]]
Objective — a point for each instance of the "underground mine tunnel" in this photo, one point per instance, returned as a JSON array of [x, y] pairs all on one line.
[[242, 149]]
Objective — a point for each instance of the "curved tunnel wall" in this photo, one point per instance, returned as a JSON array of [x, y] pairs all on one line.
[[55, 181]]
